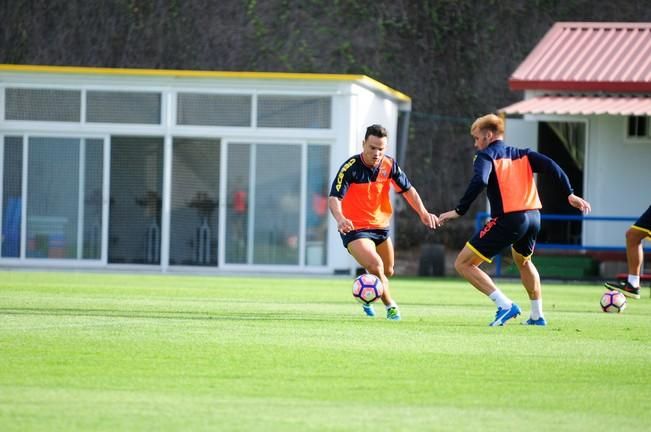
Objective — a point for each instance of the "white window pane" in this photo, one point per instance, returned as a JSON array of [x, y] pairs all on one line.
[[213, 110], [237, 204], [123, 107], [42, 104], [294, 112], [136, 200], [93, 198], [318, 163], [53, 198], [12, 185], [195, 192], [277, 204]]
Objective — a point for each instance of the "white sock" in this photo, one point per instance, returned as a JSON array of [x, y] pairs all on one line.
[[391, 305], [634, 280], [500, 299], [536, 309]]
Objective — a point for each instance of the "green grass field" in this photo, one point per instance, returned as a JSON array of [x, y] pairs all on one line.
[[116, 352]]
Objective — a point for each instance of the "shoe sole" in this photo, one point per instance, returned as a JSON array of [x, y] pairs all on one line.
[[628, 294], [623, 291]]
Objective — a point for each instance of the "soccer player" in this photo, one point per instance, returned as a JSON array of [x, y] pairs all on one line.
[[640, 230], [507, 174], [359, 202]]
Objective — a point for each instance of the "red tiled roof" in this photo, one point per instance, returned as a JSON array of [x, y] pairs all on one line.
[[573, 105], [589, 56]]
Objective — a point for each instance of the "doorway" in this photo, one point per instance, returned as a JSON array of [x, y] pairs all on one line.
[[565, 143]]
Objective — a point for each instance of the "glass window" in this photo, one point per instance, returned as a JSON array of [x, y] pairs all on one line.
[[318, 163], [307, 112], [213, 110], [237, 204], [195, 192], [12, 184], [42, 104], [123, 107], [277, 204], [92, 214], [638, 127], [135, 205], [53, 197]]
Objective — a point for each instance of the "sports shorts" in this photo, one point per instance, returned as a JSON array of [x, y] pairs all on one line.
[[377, 235], [644, 222], [518, 230]]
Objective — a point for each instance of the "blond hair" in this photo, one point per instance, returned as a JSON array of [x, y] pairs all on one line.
[[490, 122]]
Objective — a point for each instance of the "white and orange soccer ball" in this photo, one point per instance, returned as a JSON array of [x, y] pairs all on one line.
[[613, 302], [367, 288]]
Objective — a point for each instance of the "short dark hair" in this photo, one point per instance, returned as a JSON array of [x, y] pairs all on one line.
[[375, 130]]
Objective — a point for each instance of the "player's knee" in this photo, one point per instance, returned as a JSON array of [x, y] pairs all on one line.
[[633, 236], [377, 269], [388, 271], [460, 265], [524, 265]]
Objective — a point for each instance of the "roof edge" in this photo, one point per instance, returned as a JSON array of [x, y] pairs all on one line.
[[603, 24], [607, 86], [182, 73]]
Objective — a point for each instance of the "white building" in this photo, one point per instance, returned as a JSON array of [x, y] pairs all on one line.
[[587, 103], [169, 169]]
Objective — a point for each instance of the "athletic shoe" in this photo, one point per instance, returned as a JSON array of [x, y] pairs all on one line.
[[503, 315], [625, 288], [393, 314], [532, 322], [368, 310]]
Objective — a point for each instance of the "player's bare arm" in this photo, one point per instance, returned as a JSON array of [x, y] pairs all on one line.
[[428, 219], [344, 225]]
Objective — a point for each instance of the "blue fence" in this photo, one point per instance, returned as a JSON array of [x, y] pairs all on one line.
[[481, 217]]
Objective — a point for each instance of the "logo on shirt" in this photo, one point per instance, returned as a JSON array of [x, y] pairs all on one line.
[[342, 171]]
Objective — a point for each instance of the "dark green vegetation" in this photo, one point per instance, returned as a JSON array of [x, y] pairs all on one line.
[[150, 352], [454, 57]]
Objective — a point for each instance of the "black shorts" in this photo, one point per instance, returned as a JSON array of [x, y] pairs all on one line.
[[377, 235], [644, 222], [518, 229]]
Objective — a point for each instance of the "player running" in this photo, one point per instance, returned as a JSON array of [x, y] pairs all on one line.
[[359, 201]]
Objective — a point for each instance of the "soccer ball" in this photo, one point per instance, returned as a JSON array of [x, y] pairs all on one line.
[[613, 301], [367, 288]]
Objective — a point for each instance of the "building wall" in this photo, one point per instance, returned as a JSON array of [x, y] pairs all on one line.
[[618, 178], [617, 170], [353, 108]]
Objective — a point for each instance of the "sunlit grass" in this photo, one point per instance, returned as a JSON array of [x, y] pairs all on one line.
[[161, 352]]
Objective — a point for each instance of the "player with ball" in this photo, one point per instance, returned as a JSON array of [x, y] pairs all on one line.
[[359, 201]]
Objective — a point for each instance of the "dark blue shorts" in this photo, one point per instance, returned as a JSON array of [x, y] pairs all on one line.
[[518, 229], [644, 222], [377, 235]]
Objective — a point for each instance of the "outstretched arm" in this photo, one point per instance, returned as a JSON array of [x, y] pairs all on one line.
[[448, 215], [544, 164], [579, 203], [428, 219]]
